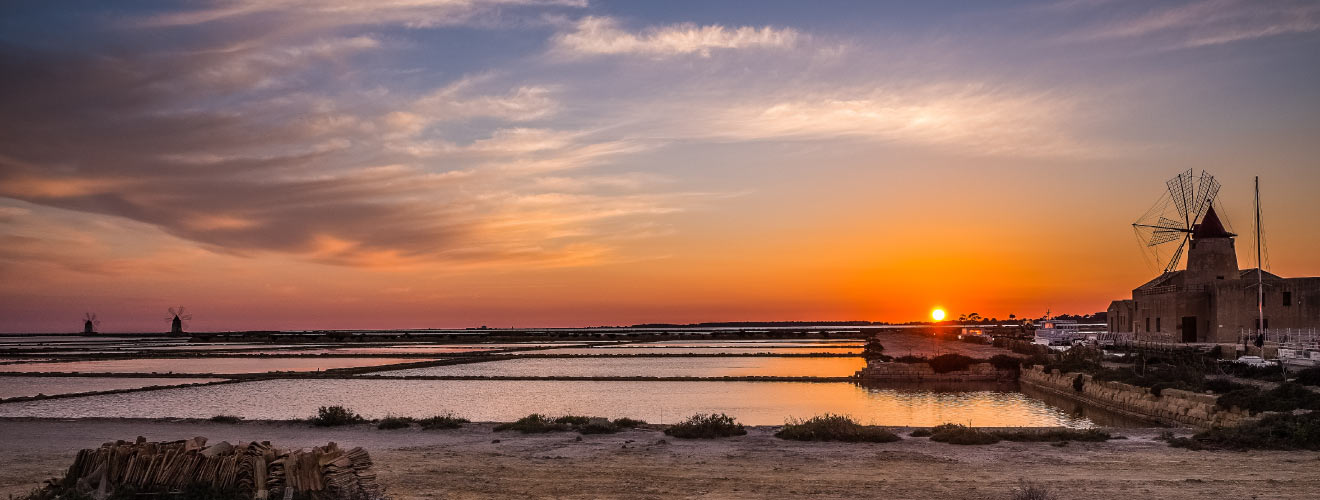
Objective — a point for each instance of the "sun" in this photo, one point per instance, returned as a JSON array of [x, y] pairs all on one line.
[[938, 314]]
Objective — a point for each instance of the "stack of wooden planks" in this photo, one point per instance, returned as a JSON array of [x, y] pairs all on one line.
[[255, 470]]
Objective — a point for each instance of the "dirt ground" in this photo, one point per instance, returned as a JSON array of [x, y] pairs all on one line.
[[466, 463]]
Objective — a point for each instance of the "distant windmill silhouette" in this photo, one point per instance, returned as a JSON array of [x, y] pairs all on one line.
[[90, 322], [177, 319]]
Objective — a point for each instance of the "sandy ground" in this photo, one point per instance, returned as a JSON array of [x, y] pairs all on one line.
[[466, 463]]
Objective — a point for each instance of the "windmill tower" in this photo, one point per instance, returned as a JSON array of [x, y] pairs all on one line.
[[1186, 214], [90, 323], [178, 320]]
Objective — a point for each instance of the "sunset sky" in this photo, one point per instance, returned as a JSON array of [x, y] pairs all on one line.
[[287, 164]]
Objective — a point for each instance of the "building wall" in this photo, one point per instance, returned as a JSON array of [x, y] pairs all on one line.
[[1236, 306]]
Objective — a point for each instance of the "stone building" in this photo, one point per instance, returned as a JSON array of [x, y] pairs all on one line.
[[1212, 300]]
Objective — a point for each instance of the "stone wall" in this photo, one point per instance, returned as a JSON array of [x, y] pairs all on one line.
[[922, 372], [1172, 406]]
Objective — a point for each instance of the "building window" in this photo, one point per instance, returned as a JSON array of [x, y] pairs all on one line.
[[1287, 299], [1157, 325]]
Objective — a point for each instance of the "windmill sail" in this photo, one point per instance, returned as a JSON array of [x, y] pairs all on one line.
[[1175, 217]]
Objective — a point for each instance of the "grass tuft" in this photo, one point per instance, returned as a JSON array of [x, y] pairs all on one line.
[[391, 423], [446, 421], [702, 426], [1027, 490], [961, 434], [330, 416], [829, 427]]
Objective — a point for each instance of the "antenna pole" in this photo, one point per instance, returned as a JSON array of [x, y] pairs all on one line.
[[1260, 284]]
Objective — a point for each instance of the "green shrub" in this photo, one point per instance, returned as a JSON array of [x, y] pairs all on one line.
[[1273, 432], [1054, 435], [629, 423], [390, 423], [533, 424], [1285, 397], [920, 433], [961, 434], [874, 350], [572, 420], [946, 363], [1006, 362], [830, 427], [597, 426], [1309, 376], [446, 421], [329, 416], [1027, 490], [226, 419], [701, 426]]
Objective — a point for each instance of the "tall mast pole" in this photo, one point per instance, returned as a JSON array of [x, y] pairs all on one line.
[[1260, 285]]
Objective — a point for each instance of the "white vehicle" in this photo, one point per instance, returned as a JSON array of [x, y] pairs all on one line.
[[1255, 361]]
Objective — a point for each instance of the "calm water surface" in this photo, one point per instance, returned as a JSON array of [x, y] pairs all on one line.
[[12, 387], [202, 365], [650, 367], [696, 350], [757, 403]]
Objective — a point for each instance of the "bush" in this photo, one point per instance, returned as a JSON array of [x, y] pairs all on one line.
[[1078, 383], [391, 423], [447, 421], [829, 427], [1285, 397], [701, 426], [226, 419], [911, 359], [1006, 362], [329, 416], [1309, 376], [874, 350], [597, 426], [1054, 435], [1027, 490], [537, 423], [629, 423], [961, 434], [533, 424], [572, 420], [1274, 432], [946, 363], [920, 433]]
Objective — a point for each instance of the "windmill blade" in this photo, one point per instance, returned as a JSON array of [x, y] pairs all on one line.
[[1205, 196], [1177, 256], [1160, 237], [1182, 192], [173, 312], [186, 317], [180, 311]]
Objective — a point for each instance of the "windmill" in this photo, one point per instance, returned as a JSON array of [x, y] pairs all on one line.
[[1175, 217], [177, 319], [90, 322]]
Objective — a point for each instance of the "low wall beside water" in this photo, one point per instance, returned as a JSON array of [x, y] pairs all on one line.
[[1171, 407], [922, 372]]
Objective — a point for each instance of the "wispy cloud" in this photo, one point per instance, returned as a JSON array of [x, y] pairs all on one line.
[[1203, 22], [595, 36], [414, 13]]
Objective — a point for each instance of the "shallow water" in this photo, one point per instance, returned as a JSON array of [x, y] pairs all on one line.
[[12, 387], [650, 367], [202, 365], [696, 350], [756, 403]]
